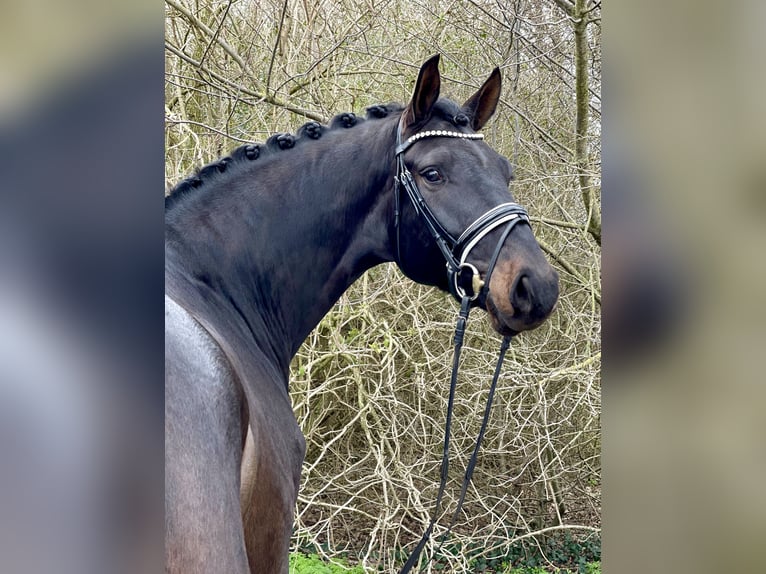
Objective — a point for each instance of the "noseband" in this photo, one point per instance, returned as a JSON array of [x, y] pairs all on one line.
[[466, 285]]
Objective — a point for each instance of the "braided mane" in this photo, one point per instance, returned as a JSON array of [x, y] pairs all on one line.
[[278, 142]]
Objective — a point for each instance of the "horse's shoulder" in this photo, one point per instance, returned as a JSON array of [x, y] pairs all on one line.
[[191, 352]]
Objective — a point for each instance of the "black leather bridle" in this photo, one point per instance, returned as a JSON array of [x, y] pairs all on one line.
[[466, 285], [464, 278]]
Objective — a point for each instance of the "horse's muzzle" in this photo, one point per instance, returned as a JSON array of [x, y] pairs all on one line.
[[521, 299]]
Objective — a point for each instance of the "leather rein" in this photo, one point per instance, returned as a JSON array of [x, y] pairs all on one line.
[[466, 285]]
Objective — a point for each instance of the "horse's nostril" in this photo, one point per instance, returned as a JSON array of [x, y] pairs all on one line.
[[522, 289], [522, 295]]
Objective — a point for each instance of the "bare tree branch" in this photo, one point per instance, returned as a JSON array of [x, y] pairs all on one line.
[[218, 29], [581, 121], [207, 127], [262, 97], [277, 40], [203, 27], [567, 7], [559, 223], [569, 268], [552, 142]]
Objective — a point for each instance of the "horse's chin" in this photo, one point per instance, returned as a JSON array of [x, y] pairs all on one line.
[[497, 321], [506, 323]]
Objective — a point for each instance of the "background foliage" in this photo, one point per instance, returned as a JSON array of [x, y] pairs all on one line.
[[369, 385]]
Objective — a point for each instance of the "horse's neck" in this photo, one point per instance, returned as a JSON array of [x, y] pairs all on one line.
[[287, 237]]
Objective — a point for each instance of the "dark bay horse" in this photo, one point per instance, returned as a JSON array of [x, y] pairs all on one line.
[[261, 244]]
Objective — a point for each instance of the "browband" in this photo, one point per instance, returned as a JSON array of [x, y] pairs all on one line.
[[401, 148]]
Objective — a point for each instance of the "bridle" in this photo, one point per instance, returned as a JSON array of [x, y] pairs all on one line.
[[466, 285], [464, 278]]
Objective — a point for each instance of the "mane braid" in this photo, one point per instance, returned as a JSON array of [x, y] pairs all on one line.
[[451, 112], [383, 110], [274, 144], [345, 120]]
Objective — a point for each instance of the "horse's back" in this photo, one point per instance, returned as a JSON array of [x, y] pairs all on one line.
[[203, 448]]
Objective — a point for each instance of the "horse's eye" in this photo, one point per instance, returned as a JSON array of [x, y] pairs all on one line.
[[432, 175]]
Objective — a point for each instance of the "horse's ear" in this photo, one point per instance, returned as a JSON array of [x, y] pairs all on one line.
[[425, 95], [480, 106]]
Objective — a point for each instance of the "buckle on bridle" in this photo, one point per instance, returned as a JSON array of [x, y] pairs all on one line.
[[459, 279]]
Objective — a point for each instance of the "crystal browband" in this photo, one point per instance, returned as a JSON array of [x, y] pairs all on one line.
[[436, 133]]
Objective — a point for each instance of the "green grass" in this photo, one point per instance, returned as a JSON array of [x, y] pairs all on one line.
[[589, 568], [555, 553], [313, 564]]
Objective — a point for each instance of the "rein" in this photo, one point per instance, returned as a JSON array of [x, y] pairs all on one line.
[[466, 285]]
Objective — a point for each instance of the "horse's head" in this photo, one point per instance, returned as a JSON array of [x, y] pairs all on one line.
[[464, 185]]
